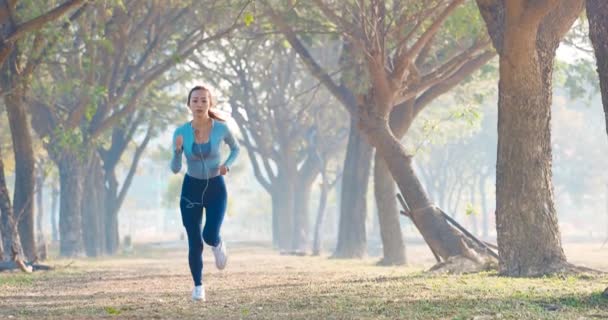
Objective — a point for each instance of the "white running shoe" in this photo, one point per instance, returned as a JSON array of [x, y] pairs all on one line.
[[198, 294], [221, 257]]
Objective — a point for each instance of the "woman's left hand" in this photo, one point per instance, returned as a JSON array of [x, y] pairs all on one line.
[[224, 170]]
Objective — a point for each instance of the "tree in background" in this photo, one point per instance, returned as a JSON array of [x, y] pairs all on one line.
[[110, 59], [23, 37], [400, 83], [285, 120]]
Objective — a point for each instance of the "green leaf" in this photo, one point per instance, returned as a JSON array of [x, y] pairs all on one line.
[[248, 18], [470, 210]]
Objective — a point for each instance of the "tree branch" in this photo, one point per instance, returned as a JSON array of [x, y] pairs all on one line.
[[40, 21], [449, 83], [405, 58], [136, 157], [314, 68]]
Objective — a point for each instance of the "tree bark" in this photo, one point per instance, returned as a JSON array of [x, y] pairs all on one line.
[[306, 175], [8, 228], [1, 247], [93, 209], [39, 199], [352, 240], [55, 212], [388, 215], [526, 222], [282, 207], [41, 251], [597, 14], [70, 212], [301, 211], [316, 244], [112, 236], [23, 198]]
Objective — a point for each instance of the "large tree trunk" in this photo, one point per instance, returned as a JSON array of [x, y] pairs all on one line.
[[597, 14], [71, 175], [388, 215], [526, 222], [93, 208], [23, 198], [526, 38], [352, 241]]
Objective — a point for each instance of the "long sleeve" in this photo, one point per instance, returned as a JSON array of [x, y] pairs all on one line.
[[234, 147], [176, 160]]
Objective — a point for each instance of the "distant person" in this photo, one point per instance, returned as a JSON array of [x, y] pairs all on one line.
[[203, 187]]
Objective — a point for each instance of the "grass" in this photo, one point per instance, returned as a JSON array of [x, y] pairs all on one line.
[[260, 284]]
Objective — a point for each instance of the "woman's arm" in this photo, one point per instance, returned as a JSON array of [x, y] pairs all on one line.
[[176, 160], [234, 147]]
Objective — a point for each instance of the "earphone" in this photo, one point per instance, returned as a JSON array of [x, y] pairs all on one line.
[[191, 204]]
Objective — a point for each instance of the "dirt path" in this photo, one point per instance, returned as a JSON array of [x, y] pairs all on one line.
[[154, 283]]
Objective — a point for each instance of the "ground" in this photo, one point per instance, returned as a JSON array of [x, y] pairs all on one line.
[[153, 282]]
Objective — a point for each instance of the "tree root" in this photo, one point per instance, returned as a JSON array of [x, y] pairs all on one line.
[[463, 265], [23, 266], [562, 268]]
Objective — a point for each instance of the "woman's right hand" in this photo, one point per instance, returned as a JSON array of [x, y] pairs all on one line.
[[179, 142]]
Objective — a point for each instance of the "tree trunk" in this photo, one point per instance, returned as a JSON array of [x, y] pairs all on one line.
[[41, 251], [597, 14], [388, 215], [55, 213], [1, 247], [11, 243], [70, 212], [93, 208], [39, 198], [526, 38], [306, 175], [283, 209], [352, 241], [526, 223], [23, 198], [301, 211], [316, 245], [441, 237], [112, 236]]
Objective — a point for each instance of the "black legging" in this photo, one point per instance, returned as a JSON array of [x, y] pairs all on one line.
[[191, 206]]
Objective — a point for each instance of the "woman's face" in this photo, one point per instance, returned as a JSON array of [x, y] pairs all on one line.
[[200, 102]]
